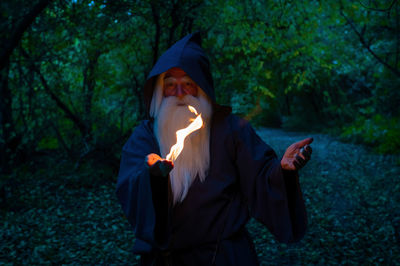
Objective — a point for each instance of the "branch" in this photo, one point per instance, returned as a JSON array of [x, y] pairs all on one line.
[[388, 9], [19, 30], [78, 122], [76, 119], [367, 46]]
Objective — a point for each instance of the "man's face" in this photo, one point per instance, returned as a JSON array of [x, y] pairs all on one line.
[[177, 83]]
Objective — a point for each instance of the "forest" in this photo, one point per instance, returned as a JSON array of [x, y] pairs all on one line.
[[71, 80]]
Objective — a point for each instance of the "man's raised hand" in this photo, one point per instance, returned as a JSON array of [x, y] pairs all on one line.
[[297, 155], [158, 166]]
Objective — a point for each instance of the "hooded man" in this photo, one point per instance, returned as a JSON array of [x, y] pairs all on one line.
[[193, 211]]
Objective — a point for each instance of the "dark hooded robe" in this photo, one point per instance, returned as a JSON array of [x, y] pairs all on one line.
[[245, 179]]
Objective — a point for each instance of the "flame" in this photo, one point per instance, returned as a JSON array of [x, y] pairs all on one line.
[[181, 134], [191, 108]]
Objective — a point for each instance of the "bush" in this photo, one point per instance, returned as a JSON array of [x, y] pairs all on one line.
[[382, 133]]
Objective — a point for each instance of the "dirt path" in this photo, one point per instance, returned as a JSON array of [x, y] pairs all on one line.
[[353, 201]]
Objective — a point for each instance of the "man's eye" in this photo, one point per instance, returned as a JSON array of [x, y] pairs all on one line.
[[169, 85]]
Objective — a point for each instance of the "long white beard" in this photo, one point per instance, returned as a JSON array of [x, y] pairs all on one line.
[[194, 159]]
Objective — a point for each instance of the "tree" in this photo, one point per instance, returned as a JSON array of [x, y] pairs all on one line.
[[13, 28]]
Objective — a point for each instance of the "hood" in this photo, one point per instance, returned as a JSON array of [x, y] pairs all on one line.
[[188, 55]]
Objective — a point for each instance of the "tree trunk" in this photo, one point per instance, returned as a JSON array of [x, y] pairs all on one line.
[[89, 83], [289, 113], [5, 119], [11, 41]]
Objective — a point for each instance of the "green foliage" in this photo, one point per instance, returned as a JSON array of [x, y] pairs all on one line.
[[48, 143], [76, 75], [305, 62], [382, 133]]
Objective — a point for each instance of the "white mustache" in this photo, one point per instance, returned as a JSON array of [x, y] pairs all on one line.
[[181, 104], [183, 101]]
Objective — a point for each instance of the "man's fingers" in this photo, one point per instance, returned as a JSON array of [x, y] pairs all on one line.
[[161, 168], [301, 151], [158, 166], [297, 165], [304, 142], [152, 158], [305, 153], [168, 164], [308, 149], [301, 155], [165, 167], [301, 160]]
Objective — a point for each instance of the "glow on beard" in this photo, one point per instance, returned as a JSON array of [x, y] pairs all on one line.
[[181, 134]]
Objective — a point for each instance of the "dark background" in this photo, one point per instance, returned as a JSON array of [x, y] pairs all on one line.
[[71, 78]]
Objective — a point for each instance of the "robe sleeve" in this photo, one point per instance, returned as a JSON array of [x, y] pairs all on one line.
[[273, 194], [143, 197]]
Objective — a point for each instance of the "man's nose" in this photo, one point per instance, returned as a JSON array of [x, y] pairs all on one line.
[[180, 92]]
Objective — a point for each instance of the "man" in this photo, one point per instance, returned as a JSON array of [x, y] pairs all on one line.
[[193, 211]]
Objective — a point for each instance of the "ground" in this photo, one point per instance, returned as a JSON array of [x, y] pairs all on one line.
[[352, 198], [63, 216]]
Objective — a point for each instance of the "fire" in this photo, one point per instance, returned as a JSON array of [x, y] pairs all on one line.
[[181, 134]]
